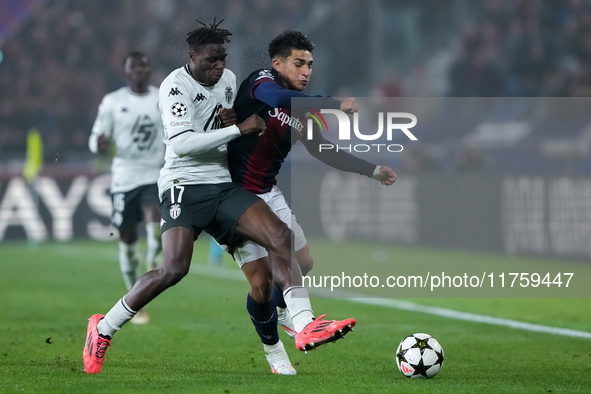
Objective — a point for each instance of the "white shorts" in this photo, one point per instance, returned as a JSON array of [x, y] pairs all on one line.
[[248, 251]]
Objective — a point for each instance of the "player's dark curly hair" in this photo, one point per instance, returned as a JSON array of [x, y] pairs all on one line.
[[134, 54], [211, 34], [284, 43]]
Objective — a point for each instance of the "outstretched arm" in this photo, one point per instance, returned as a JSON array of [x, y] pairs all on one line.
[[191, 142], [338, 159], [385, 175], [344, 161]]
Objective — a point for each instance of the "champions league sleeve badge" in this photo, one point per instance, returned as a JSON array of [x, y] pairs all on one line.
[[178, 110]]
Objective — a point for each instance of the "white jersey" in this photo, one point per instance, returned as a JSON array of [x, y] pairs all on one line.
[[132, 121], [187, 106]]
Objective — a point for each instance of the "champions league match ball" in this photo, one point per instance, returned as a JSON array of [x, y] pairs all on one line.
[[419, 356]]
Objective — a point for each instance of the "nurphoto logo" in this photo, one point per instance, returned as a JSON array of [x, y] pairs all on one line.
[[392, 124]]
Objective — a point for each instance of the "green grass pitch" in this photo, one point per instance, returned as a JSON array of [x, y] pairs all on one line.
[[200, 339]]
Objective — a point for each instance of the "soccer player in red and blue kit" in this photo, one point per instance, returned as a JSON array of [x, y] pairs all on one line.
[[255, 161]]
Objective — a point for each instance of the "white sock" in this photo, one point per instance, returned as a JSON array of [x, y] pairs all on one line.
[[277, 355], [119, 314], [273, 348], [128, 263], [154, 245], [298, 304]]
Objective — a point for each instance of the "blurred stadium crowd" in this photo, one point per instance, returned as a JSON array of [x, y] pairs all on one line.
[[524, 48], [68, 55], [65, 55]]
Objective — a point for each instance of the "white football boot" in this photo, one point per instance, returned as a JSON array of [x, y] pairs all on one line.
[[278, 359]]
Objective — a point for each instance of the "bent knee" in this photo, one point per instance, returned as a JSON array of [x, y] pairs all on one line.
[[262, 289], [172, 274], [281, 238], [306, 266]]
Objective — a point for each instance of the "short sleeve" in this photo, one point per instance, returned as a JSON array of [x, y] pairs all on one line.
[[176, 106]]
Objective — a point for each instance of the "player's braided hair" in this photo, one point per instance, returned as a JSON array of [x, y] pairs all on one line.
[[211, 34], [284, 43]]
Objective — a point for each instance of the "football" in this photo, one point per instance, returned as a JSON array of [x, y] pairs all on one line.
[[419, 356]]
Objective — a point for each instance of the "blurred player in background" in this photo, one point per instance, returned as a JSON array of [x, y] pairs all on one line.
[[197, 195], [130, 119], [255, 161]]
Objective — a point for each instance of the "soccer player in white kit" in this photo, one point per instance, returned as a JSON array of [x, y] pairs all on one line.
[[197, 194], [130, 119]]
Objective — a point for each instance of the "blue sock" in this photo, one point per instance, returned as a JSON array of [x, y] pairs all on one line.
[[264, 319], [215, 251], [278, 296]]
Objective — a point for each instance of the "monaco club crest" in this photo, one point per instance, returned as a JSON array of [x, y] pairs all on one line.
[[175, 211], [229, 95]]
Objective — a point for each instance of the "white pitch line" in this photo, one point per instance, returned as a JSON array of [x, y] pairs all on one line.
[[226, 273]]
